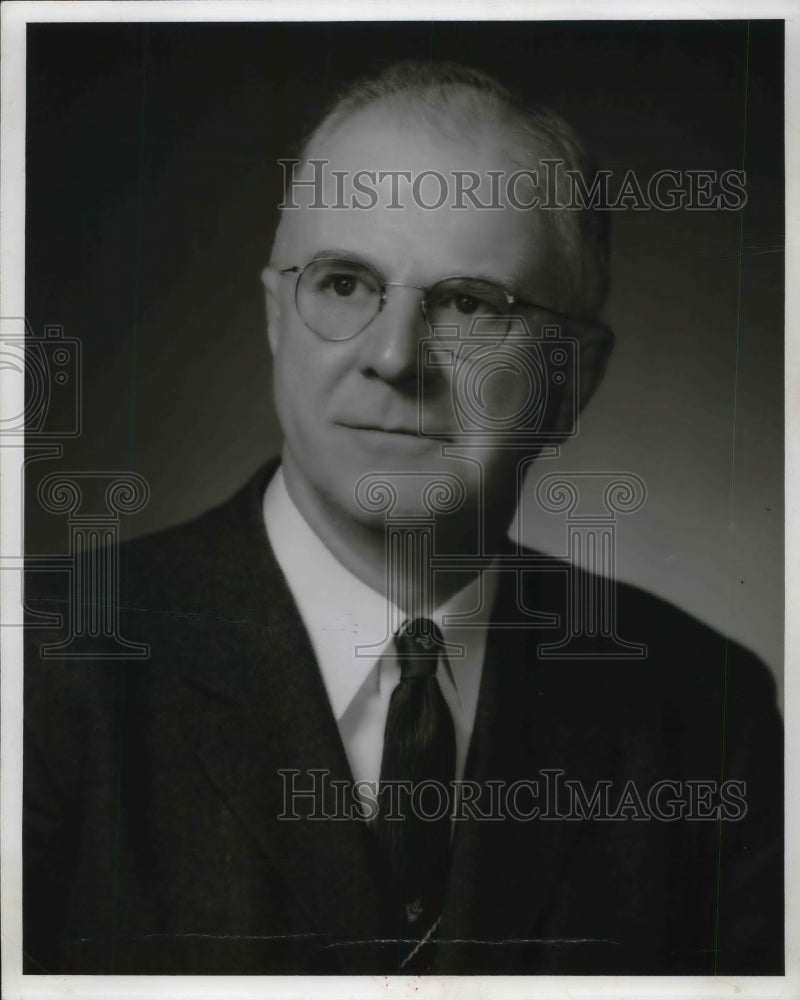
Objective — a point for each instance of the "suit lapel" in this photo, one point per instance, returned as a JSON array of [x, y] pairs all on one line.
[[503, 873], [273, 730]]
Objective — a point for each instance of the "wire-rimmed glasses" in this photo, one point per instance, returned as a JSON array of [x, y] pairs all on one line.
[[338, 298]]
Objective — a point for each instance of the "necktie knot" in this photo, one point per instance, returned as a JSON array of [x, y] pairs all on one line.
[[418, 645]]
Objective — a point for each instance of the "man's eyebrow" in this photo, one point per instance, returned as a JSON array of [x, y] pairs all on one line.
[[507, 281], [349, 257]]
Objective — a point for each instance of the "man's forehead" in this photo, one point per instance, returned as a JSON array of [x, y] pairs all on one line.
[[388, 184], [393, 137], [407, 119]]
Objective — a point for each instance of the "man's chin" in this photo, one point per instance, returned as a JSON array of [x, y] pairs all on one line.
[[393, 490], [392, 446]]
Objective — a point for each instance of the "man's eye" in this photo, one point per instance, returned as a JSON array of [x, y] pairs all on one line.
[[341, 284], [467, 304]]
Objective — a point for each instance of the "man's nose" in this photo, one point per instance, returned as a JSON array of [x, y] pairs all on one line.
[[390, 344]]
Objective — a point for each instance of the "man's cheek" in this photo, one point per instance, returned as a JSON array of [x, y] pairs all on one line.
[[509, 394], [496, 394], [291, 374]]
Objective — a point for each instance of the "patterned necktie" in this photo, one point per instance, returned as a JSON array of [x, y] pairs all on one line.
[[418, 758]]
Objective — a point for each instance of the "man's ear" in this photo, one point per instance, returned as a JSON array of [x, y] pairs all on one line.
[[270, 279], [594, 344]]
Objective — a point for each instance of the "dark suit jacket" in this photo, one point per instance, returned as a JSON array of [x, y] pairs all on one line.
[[152, 838]]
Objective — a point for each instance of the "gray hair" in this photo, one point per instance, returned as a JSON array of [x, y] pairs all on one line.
[[451, 96]]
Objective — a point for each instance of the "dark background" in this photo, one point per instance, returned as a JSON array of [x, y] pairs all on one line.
[[152, 182]]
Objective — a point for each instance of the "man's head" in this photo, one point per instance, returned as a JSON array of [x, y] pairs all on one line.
[[351, 291]]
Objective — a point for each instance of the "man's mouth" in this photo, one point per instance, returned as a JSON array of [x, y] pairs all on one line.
[[412, 431], [400, 431]]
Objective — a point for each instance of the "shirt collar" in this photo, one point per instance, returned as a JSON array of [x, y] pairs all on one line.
[[349, 624]]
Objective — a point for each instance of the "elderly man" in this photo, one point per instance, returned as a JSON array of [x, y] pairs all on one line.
[[347, 752]]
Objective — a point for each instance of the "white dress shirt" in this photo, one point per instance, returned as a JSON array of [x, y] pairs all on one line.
[[349, 627]]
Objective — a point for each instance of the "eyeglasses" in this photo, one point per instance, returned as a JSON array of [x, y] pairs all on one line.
[[338, 299]]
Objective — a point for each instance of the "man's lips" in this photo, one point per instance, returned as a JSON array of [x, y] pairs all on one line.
[[403, 431], [384, 430]]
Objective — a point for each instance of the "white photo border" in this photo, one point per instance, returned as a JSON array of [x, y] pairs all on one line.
[[16, 14]]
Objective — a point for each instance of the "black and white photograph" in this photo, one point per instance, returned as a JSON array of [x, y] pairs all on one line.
[[394, 500]]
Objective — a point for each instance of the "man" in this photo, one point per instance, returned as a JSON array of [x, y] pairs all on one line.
[[354, 624]]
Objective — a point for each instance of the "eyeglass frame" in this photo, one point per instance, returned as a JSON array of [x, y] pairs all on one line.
[[383, 285]]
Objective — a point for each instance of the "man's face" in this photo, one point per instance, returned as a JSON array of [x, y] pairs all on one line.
[[350, 408]]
